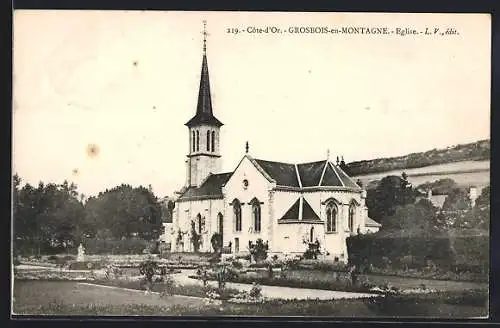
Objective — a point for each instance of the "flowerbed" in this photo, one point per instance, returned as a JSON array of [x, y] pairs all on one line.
[[298, 283], [431, 274], [53, 275]]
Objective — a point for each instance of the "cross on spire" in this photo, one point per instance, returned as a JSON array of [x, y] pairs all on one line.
[[205, 34], [246, 147], [328, 154]]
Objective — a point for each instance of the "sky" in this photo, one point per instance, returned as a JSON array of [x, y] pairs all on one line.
[[100, 98]]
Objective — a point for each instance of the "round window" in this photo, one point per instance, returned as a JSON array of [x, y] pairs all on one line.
[[245, 183]]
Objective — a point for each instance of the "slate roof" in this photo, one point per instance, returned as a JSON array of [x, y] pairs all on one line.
[[310, 173], [321, 173], [292, 214], [204, 114], [284, 174], [211, 187]]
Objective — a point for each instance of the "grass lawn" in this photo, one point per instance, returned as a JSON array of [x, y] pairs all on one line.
[[64, 297], [70, 298]]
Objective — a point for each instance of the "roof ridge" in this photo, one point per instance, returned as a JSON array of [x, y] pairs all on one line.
[[298, 175], [322, 173]]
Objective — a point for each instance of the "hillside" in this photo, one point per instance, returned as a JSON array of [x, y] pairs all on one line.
[[479, 150]]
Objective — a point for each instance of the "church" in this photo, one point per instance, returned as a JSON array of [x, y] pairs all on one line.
[[287, 205]]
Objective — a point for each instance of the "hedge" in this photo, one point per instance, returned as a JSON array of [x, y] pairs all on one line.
[[118, 246], [457, 253]]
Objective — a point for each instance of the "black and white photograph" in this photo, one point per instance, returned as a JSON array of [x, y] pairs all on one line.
[[292, 164]]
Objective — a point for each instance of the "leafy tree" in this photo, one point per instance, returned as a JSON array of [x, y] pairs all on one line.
[[440, 187], [484, 197], [413, 217], [391, 192], [125, 212], [457, 200], [47, 217]]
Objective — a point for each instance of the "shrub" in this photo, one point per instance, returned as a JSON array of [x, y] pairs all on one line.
[[313, 250], [258, 250], [216, 242], [85, 265], [256, 291], [116, 246], [237, 264]]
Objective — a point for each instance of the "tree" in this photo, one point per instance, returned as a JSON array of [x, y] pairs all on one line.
[[413, 217], [125, 212], [440, 187], [457, 200], [46, 217], [391, 192]]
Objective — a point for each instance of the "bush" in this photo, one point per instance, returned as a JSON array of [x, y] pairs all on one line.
[[256, 291], [258, 250], [85, 265], [117, 246], [313, 250]]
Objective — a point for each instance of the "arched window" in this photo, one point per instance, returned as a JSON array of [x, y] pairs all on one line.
[[197, 140], [220, 220], [256, 215], [352, 212], [311, 235], [331, 217], [237, 214], [200, 223], [193, 142], [208, 140], [213, 140]]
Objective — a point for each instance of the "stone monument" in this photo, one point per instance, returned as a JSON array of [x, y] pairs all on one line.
[[81, 253]]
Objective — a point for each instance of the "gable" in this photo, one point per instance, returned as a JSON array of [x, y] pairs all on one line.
[[294, 215]]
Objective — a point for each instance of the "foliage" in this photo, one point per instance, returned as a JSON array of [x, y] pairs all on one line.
[[258, 250], [419, 216], [216, 242], [382, 201], [439, 187], [113, 271], [124, 211], [415, 250], [86, 265], [116, 246], [256, 291], [149, 269], [47, 218], [195, 238], [52, 218], [313, 250], [457, 200]]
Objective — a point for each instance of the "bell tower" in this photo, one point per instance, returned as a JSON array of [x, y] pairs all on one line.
[[204, 131]]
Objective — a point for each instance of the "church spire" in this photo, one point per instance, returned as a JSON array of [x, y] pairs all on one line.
[[204, 113]]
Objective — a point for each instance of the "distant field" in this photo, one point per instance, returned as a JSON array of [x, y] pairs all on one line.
[[467, 173]]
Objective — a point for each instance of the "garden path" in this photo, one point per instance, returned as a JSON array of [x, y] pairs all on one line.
[[274, 292]]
